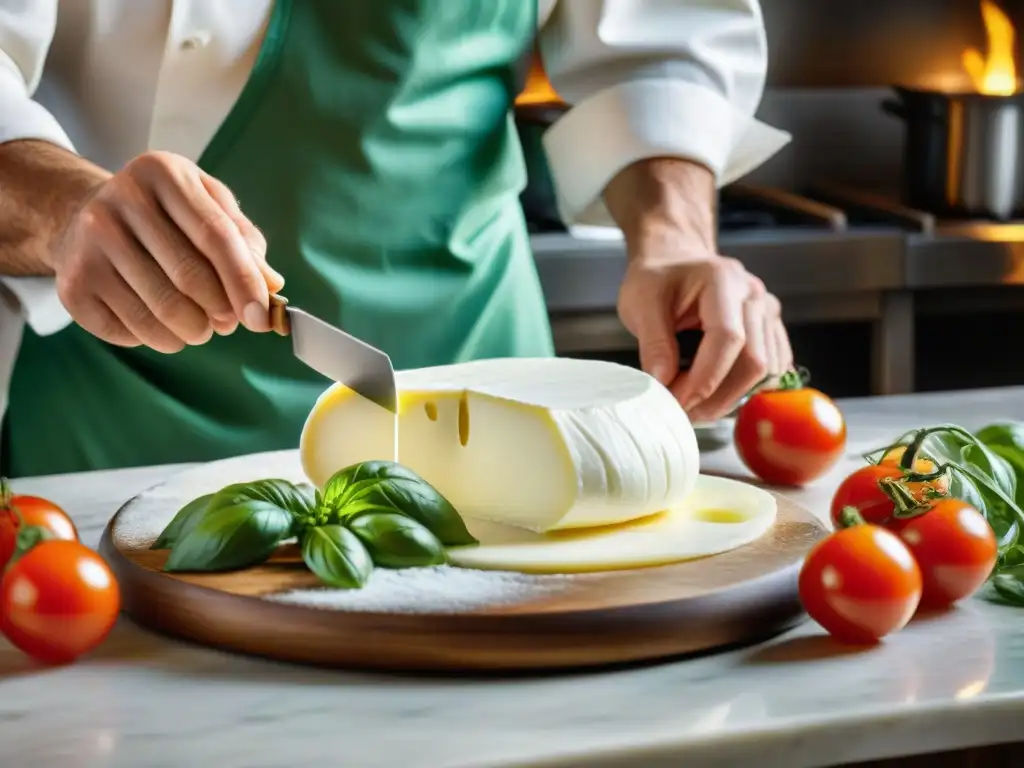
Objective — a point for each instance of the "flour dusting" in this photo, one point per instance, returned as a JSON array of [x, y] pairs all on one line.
[[441, 589], [149, 513]]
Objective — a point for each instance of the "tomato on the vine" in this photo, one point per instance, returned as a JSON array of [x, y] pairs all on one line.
[[58, 601], [790, 435], [955, 548], [860, 584], [19, 511], [863, 490]]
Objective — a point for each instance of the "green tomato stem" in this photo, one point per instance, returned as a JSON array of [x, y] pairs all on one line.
[[909, 456], [849, 517], [795, 378], [29, 537], [904, 504]]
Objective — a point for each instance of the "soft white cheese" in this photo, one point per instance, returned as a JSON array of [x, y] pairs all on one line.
[[540, 444], [719, 515]]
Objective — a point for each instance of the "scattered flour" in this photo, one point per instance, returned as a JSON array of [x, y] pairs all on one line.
[[417, 590], [435, 590], [150, 512]]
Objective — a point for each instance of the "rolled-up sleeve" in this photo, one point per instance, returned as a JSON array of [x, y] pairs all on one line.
[[26, 31], [653, 78]]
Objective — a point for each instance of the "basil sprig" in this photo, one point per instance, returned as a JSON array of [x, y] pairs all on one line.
[[985, 470], [376, 513], [239, 526], [385, 486]]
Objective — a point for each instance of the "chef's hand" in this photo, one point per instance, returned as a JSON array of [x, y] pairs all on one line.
[[161, 255], [676, 281]]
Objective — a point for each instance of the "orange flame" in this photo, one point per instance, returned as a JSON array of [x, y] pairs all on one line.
[[538, 89], [994, 74]]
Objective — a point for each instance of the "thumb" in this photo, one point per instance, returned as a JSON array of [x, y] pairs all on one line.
[[656, 335]]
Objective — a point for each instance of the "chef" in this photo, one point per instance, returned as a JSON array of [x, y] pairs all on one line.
[[165, 165]]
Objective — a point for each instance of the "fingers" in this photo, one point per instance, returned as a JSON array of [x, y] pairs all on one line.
[[185, 320], [721, 311], [659, 348], [646, 305], [95, 317], [744, 338], [750, 368], [783, 348], [181, 193], [182, 264], [120, 316], [250, 232], [164, 288]]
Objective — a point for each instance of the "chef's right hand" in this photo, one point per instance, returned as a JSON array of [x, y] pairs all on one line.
[[161, 255]]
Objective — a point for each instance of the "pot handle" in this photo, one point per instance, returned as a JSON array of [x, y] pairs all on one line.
[[894, 108]]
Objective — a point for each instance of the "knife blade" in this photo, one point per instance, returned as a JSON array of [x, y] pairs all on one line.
[[337, 355]]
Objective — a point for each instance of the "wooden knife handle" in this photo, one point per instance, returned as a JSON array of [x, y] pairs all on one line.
[[279, 315]]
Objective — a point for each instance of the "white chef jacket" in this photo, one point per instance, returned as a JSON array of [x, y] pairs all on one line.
[[111, 79]]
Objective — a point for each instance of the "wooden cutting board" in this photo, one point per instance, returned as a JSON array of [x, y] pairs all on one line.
[[453, 619]]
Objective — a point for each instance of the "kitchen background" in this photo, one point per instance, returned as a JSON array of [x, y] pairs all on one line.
[[900, 263]]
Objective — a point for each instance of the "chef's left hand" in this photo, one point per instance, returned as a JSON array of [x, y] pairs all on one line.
[[675, 280]]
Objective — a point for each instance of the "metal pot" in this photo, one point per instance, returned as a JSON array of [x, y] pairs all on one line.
[[963, 152]]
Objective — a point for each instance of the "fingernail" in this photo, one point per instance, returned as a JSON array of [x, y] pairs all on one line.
[[662, 374], [256, 317]]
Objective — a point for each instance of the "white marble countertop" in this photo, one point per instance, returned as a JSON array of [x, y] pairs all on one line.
[[953, 681]]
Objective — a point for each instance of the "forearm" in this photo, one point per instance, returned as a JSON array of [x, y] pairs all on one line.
[[41, 187], [665, 198]]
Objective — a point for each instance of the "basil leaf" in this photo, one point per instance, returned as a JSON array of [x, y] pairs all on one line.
[[231, 536], [336, 556], [308, 493], [1014, 556], [1009, 584], [1004, 434], [953, 444], [385, 485], [349, 480], [184, 521], [396, 541], [1006, 440], [280, 493], [985, 480]]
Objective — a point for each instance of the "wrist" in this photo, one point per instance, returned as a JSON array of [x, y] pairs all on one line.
[[45, 187], [665, 199]]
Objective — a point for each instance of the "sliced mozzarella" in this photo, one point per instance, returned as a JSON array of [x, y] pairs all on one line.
[[718, 516]]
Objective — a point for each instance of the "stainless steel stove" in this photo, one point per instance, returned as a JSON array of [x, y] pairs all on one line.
[[832, 253]]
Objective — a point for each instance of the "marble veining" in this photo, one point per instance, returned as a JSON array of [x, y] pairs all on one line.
[[948, 681]]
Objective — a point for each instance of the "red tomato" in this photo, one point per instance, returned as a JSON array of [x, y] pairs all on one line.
[[860, 584], [58, 601], [955, 548], [16, 511], [790, 436], [862, 491]]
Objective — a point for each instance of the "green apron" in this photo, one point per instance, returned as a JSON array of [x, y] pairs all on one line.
[[375, 148]]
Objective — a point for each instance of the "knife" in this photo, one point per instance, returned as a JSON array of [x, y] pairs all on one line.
[[337, 355]]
